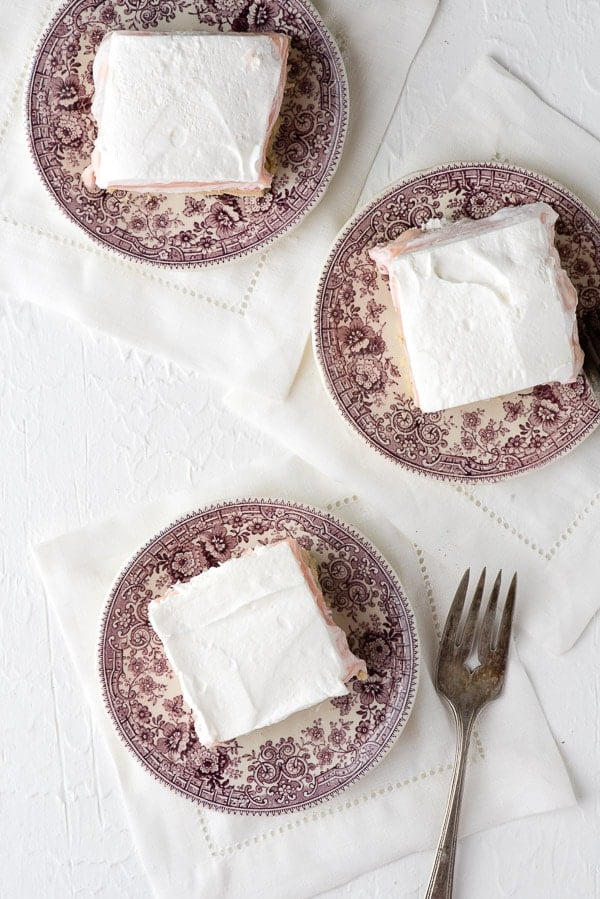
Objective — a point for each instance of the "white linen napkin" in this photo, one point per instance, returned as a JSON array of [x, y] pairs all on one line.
[[397, 809], [245, 322], [544, 524]]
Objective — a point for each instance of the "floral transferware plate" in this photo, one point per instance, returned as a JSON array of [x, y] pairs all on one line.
[[175, 229], [315, 753], [358, 349]]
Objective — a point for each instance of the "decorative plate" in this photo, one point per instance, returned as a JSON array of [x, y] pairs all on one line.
[[357, 346], [174, 229], [315, 753]]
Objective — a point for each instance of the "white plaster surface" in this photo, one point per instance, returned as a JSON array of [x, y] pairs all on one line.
[[89, 426]]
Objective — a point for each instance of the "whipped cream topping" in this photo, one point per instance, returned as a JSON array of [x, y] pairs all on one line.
[[485, 307], [185, 110], [250, 644]]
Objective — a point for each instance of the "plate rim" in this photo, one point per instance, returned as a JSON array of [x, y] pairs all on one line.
[[389, 570], [316, 343], [180, 265]]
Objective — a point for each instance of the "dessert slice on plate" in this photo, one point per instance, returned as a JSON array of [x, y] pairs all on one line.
[[252, 641], [186, 111], [484, 306]]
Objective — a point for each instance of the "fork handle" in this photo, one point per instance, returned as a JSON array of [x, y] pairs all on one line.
[[442, 874]]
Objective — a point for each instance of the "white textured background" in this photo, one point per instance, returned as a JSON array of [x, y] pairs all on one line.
[[89, 426]]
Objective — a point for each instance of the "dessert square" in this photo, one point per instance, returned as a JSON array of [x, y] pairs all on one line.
[[252, 642], [185, 111], [485, 308]]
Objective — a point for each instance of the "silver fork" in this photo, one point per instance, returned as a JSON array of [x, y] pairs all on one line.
[[470, 673], [590, 344]]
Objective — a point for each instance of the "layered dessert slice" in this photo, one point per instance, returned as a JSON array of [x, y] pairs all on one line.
[[252, 641], [484, 306], [186, 112]]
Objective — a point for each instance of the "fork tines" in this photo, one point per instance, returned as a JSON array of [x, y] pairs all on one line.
[[590, 344], [465, 636]]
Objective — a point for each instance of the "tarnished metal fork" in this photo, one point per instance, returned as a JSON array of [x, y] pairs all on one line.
[[470, 673], [590, 343]]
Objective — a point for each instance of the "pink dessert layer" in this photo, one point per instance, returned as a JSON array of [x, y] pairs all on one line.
[[353, 666]]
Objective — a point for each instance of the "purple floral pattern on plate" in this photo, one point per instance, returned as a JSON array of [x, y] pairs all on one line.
[[177, 229], [360, 355], [315, 753]]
